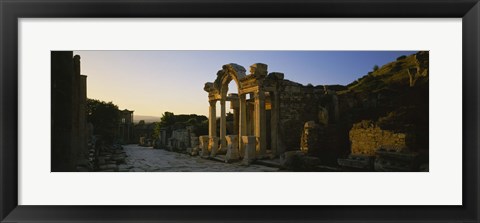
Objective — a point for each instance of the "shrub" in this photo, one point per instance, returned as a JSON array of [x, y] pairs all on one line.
[[401, 57]]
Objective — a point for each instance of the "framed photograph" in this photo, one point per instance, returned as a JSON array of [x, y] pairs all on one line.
[[225, 111]]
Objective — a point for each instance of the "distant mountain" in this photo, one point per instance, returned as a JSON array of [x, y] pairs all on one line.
[[147, 119]]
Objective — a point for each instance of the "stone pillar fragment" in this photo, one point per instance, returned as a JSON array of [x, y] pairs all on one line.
[[232, 148], [309, 142], [203, 140], [213, 145], [212, 119], [249, 144], [193, 149]]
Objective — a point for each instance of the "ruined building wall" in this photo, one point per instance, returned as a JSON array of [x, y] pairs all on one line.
[[125, 131], [82, 118], [298, 104], [366, 138], [69, 141]]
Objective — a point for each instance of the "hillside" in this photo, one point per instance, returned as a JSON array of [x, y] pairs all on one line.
[[395, 97]]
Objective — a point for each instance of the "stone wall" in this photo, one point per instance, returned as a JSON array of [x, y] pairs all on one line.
[[299, 104], [68, 125], [181, 139], [366, 138]]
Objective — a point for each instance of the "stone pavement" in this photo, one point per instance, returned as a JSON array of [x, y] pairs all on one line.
[[147, 159]]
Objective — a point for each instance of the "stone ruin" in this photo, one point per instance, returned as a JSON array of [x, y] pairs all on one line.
[[373, 148], [269, 112], [69, 128], [300, 126]]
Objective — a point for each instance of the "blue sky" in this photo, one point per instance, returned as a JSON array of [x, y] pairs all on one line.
[[152, 82]]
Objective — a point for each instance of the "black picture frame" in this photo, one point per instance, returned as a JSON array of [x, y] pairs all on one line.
[[11, 11]]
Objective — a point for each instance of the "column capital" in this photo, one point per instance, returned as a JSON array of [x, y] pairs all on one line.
[[212, 103]]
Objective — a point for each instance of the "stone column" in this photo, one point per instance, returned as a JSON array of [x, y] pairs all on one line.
[[213, 145], [249, 143], [242, 131], [203, 140], [232, 148], [223, 124], [212, 119], [83, 116], [235, 121], [260, 123], [62, 74], [234, 105], [274, 123]]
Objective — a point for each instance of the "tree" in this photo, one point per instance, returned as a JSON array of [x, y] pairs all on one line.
[[167, 119], [375, 68], [105, 118]]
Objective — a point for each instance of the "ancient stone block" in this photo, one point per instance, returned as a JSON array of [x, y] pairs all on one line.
[[213, 145], [310, 140], [204, 146], [293, 160], [259, 69], [396, 161], [194, 144], [366, 138], [249, 144], [232, 148], [276, 75], [357, 162]]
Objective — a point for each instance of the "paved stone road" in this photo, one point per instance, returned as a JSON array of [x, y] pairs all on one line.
[[147, 159]]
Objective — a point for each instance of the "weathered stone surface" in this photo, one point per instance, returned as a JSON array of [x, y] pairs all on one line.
[[357, 162], [293, 160], [276, 75], [323, 116], [232, 148], [141, 159], [259, 69], [194, 145], [180, 140], [393, 161], [249, 145], [204, 146], [69, 131], [366, 138], [208, 87], [213, 145], [311, 137], [235, 68]]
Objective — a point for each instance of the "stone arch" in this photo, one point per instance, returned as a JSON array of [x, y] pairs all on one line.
[[249, 130], [228, 73]]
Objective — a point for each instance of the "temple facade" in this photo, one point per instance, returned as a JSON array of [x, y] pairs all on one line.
[[125, 127], [269, 112]]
